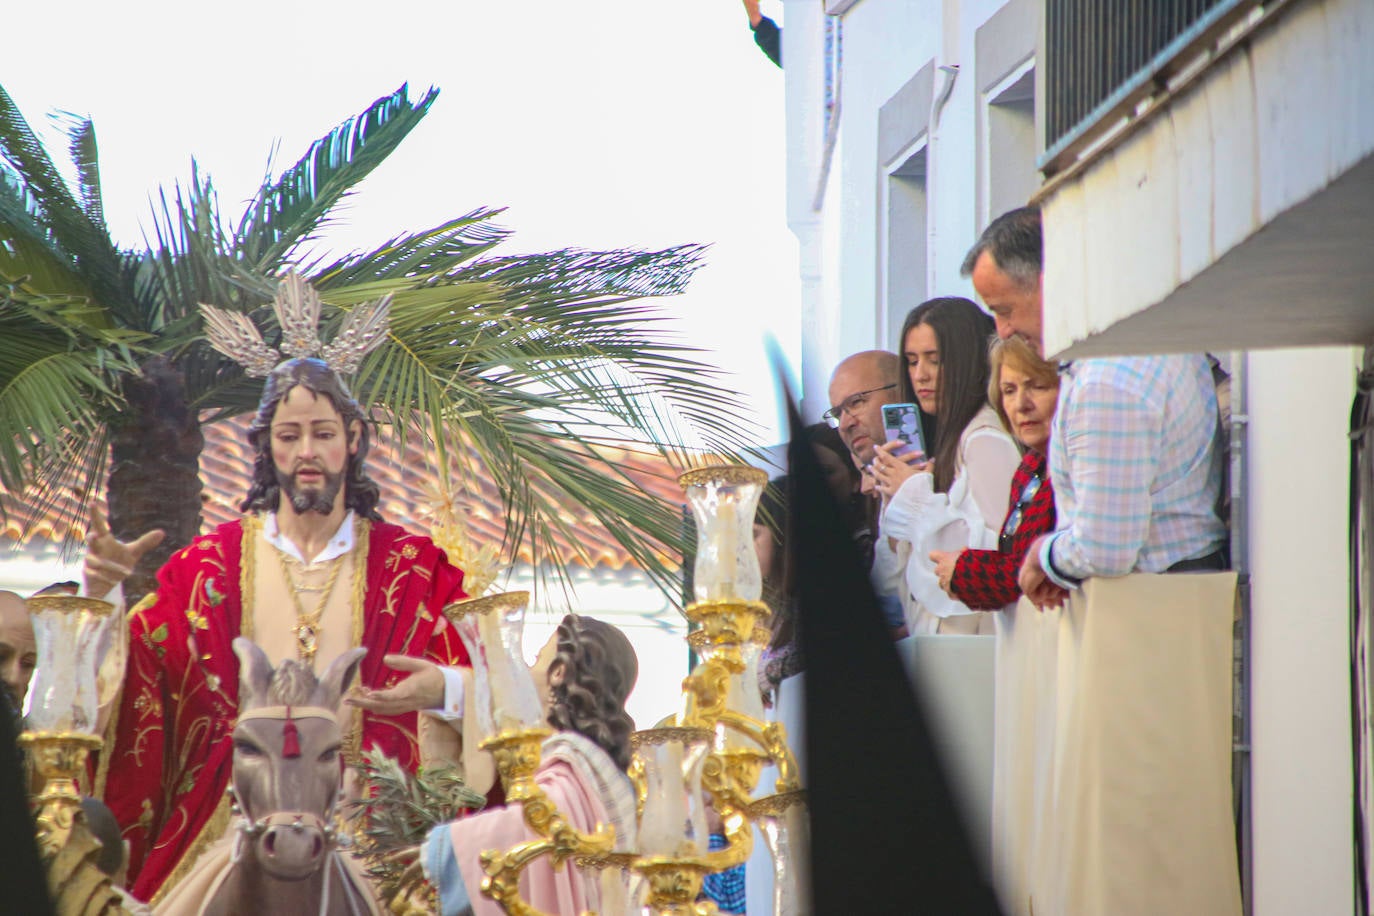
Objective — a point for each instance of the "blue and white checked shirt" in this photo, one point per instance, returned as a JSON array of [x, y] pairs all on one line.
[[1135, 467]]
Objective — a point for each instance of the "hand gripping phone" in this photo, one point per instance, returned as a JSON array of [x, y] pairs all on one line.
[[902, 422]]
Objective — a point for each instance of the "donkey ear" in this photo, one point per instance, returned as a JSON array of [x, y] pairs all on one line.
[[255, 671], [338, 677]]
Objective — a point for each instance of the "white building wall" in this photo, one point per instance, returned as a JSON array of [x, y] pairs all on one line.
[[840, 221], [1172, 215], [1302, 792]]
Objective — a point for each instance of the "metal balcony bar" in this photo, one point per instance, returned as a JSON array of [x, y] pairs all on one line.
[[1103, 58]]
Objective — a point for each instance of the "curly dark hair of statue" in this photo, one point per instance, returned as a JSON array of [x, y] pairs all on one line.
[[360, 491], [599, 670]]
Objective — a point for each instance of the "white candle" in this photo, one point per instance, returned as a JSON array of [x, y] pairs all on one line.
[[665, 805], [727, 545], [498, 669]]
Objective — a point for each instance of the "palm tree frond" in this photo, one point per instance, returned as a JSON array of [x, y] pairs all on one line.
[[578, 274], [287, 213], [73, 232], [435, 251], [86, 157]]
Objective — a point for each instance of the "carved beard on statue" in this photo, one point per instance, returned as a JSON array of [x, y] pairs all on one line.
[[319, 498]]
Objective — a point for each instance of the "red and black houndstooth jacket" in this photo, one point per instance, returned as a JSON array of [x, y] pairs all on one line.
[[986, 579]]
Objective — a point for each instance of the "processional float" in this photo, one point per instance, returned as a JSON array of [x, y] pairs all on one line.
[[717, 745]]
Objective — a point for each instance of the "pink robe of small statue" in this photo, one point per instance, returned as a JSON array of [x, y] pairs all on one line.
[[588, 790]]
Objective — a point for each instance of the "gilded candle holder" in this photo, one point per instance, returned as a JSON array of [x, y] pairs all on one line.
[[723, 500], [73, 637], [59, 761], [674, 838], [509, 711]]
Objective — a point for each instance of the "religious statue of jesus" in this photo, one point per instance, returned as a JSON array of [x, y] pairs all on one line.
[[310, 571]]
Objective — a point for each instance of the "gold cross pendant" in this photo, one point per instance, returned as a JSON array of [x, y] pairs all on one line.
[[307, 642]]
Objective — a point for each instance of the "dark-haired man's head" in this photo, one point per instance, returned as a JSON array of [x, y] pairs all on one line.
[[68, 587], [310, 440], [1006, 265], [18, 648]]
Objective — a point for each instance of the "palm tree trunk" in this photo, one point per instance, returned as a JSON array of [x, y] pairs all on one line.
[[154, 478]]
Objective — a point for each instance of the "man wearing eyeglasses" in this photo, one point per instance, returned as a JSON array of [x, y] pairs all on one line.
[[859, 387]]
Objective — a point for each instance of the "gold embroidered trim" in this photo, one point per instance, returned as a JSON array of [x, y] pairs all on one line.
[[248, 568], [102, 769], [213, 830], [362, 536]]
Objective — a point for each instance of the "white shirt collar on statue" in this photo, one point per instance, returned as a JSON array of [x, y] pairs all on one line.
[[340, 544]]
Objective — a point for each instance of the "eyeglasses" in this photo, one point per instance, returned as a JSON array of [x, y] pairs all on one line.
[[1017, 513], [850, 405]]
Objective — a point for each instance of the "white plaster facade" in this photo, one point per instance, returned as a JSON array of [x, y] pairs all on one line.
[[1238, 218]]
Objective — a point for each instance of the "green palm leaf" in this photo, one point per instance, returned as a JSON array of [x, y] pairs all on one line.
[[86, 157], [62, 217], [56, 362], [433, 252], [288, 212], [29, 256], [516, 368], [529, 398]]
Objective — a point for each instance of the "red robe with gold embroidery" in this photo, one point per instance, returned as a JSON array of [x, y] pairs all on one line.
[[170, 746]]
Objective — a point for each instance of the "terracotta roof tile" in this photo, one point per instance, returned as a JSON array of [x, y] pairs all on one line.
[[403, 477]]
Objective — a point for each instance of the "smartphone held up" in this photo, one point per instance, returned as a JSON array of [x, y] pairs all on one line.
[[902, 423]]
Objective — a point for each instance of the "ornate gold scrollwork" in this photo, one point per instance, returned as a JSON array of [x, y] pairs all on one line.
[[518, 755], [675, 884], [68, 850], [728, 622]]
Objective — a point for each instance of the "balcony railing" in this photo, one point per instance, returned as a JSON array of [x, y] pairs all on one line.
[[1102, 58]]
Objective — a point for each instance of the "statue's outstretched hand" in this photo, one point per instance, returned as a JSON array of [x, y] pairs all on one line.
[[110, 561], [423, 689]]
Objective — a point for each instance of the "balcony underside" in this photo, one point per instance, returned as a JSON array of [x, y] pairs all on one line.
[[1304, 279], [1240, 215]]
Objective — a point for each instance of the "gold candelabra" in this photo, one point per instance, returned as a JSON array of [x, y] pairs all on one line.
[[517, 754], [718, 744], [513, 718], [62, 719]]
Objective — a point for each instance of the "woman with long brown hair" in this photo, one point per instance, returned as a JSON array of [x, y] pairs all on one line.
[[952, 497]]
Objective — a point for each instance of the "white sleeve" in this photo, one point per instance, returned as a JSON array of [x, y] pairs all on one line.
[[990, 461], [970, 517], [113, 652], [452, 710], [115, 595], [914, 500], [886, 574]]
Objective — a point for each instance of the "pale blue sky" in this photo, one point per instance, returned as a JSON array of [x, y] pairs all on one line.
[[598, 124]]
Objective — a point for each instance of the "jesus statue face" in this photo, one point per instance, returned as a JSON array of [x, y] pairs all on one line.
[[310, 450]]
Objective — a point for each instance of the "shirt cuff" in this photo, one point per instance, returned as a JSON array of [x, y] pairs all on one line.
[[115, 595], [1047, 564], [452, 710], [908, 504]]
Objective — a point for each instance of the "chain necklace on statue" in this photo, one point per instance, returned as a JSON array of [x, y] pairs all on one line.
[[308, 627]]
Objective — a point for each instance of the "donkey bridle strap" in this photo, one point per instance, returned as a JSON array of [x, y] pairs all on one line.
[[288, 712]]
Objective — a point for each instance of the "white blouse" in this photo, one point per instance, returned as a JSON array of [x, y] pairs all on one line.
[[969, 516]]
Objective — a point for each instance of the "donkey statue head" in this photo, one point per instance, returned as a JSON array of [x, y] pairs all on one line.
[[288, 761]]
